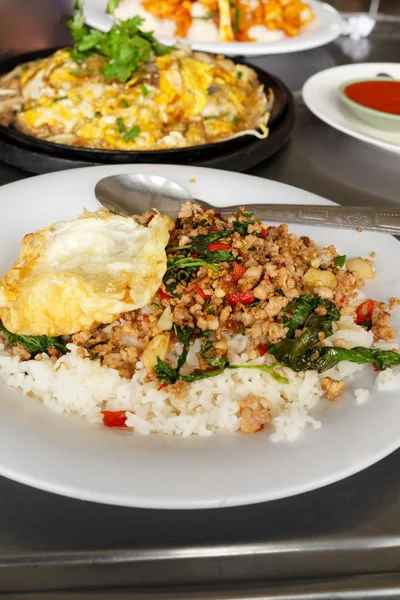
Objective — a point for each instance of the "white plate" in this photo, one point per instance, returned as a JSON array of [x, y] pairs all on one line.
[[320, 94], [73, 458], [326, 28]]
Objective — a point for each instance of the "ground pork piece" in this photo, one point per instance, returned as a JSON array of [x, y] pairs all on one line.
[[275, 332], [250, 262], [116, 335], [394, 302], [275, 305], [256, 330], [380, 325], [189, 209], [196, 308], [102, 349], [81, 337], [142, 330], [81, 353], [225, 312], [270, 269], [246, 318], [182, 317], [348, 282], [97, 336], [20, 351], [124, 369], [183, 240], [263, 290], [255, 412], [221, 346], [324, 292], [321, 310], [207, 322], [284, 281], [332, 388], [53, 352], [130, 354], [251, 276]]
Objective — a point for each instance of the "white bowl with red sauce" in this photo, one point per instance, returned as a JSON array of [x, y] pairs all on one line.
[[375, 101]]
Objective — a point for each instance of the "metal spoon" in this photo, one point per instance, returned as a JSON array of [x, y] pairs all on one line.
[[133, 194]]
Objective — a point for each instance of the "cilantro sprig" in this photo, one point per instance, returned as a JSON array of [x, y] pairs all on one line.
[[125, 46]]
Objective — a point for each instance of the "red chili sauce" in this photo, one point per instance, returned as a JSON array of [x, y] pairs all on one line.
[[379, 95]]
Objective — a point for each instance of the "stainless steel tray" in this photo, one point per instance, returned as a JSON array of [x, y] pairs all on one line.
[[342, 541]]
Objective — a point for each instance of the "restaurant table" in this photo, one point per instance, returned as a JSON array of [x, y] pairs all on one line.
[[341, 541]]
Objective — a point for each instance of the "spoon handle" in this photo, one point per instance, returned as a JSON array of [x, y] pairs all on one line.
[[381, 219]]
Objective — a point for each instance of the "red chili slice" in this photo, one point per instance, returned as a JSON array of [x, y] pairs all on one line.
[[114, 418], [195, 255], [364, 311], [264, 233], [160, 387], [201, 292], [263, 349], [242, 297], [238, 272], [217, 214], [151, 217], [219, 246], [163, 295]]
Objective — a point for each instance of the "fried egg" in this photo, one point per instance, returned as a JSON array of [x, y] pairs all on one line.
[[75, 275]]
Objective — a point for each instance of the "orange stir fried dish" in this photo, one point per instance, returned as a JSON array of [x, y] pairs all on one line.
[[221, 20]]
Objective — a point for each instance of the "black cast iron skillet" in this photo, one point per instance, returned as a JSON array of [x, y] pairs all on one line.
[[192, 154]]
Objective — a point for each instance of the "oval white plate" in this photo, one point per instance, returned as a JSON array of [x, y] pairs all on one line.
[[326, 28], [71, 457], [320, 94]]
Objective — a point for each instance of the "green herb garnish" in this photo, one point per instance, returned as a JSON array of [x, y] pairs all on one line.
[[112, 6], [79, 72], [60, 98], [304, 353], [236, 16], [34, 344], [131, 134], [168, 374], [190, 262], [183, 334], [200, 243], [340, 260], [121, 125], [239, 74], [242, 228], [126, 46], [124, 102], [145, 91]]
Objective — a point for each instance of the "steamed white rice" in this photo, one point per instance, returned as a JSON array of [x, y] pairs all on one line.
[[83, 386]]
